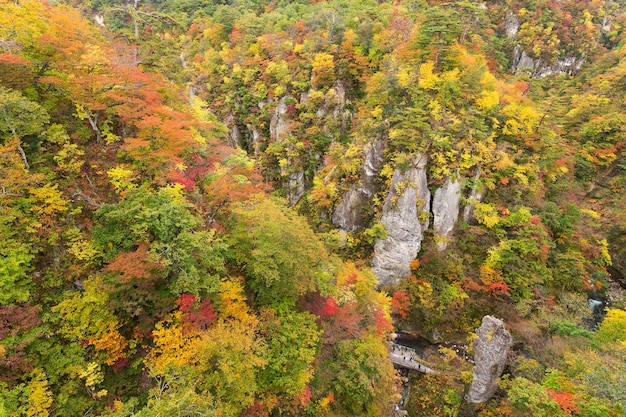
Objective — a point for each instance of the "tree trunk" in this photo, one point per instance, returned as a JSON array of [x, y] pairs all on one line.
[[93, 122]]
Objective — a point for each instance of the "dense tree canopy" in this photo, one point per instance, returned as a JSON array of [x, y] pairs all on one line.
[[177, 178]]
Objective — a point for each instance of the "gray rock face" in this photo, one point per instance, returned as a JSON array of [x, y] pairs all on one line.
[[351, 213], [490, 352], [446, 211], [538, 69], [296, 187], [278, 124], [234, 135], [477, 194], [512, 24], [255, 135], [408, 198]]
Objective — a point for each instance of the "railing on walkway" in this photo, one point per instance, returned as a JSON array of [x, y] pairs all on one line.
[[407, 357]]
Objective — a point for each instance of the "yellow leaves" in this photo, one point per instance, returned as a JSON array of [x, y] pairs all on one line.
[[488, 100], [39, 396], [172, 345], [22, 22], [69, 158], [601, 155], [323, 68], [93, 58], [490, 275], [85, 317], [174, 193], [604, 257], [279, 71], [93, 376], [232, 303], [521, 119], [377, 112], [503, 160], [324, 193], [121, 179], [404, 77], [47, 201], [80, 248], [486, 214], [427, 79], [423, 291], [613, 329]]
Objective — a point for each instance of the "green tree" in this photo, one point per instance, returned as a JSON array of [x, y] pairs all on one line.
[[281, 256]]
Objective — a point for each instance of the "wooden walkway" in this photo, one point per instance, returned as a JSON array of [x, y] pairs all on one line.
[[406, 357]]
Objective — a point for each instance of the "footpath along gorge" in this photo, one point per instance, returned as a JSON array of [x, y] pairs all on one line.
[[232, 208]]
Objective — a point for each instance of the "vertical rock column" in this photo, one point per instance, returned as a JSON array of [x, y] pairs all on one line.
[[446, 211], [490, 352], [408, 198]]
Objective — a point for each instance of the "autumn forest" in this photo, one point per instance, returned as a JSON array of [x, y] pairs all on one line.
[[231, 208]]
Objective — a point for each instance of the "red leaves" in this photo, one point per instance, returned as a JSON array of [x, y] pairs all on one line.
[[255, 410], [499, 288], [400, 303], [200, 316], [382, 322], [330, 307], [323, 307], [18, 325]]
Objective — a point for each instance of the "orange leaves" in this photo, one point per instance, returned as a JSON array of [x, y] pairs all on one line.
[[565, 401], [11, 59], [132, 265], [113, 344]]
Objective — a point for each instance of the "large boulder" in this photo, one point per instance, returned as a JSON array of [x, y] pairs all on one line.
[[490, 352], [405, 223]]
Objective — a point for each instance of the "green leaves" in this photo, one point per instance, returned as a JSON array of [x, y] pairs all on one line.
[[20, 116], [277, 250], [191, 258]]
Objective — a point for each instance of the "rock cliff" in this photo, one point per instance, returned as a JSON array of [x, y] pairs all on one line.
[[351, 214], [407, 201]]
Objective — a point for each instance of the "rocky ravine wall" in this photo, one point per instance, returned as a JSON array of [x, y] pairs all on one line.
[[403, 218], [251, 137], [406, 213]]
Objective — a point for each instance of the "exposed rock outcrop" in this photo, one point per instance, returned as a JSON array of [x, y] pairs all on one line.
[[278, 124], [296, 187], [234, 135], [522, 62], [446, 204], [490, 351], [408, 198], [351, 213], [255, 136], [477, 194], [511, 25]]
